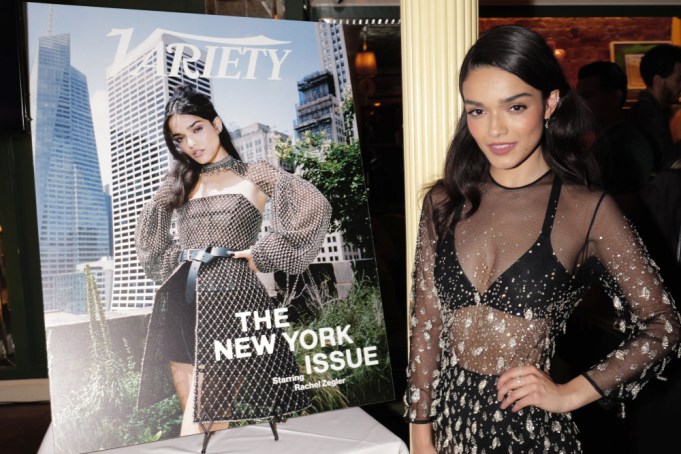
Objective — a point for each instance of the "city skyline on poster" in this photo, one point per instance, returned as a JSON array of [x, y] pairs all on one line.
[[288, 63], [117, 43], [100, 81]]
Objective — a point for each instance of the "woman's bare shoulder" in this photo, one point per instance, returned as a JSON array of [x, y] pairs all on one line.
[[580, 197], [589, 206]]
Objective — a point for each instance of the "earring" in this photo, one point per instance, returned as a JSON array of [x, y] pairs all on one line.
[[546, 124]]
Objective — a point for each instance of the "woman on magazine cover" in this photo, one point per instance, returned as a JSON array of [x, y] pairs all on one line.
[[209, 276], [509, 239]]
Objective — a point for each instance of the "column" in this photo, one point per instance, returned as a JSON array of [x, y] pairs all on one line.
[[435, 37]]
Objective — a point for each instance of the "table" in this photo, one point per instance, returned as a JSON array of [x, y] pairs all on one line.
[[349, 430]]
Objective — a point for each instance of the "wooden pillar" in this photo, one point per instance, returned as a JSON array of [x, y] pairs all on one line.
[[435, 37]]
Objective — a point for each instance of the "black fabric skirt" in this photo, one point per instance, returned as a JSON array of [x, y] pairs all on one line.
[[226, 389], [469, 418]]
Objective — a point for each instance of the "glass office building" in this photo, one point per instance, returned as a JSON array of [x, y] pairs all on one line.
[[72, 211]]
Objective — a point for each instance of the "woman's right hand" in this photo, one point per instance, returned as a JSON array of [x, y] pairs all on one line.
[[248, 256], [422, 439]]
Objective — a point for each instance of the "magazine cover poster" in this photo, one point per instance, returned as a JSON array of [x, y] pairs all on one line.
[[206, 250]]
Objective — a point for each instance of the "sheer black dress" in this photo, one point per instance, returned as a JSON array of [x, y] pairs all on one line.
[[494, 293], [242, 387]]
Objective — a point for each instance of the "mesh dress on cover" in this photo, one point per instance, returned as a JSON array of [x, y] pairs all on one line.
[[496, 291], [238, 388]]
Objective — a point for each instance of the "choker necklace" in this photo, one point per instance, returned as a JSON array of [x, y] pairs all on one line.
[[217, 167], [518, 187]]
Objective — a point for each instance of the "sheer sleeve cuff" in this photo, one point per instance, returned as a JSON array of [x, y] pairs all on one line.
[[593, 383], [418, 421]]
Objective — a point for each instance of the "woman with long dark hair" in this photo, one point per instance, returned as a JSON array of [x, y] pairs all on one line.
[[211, 293], [509, 239]]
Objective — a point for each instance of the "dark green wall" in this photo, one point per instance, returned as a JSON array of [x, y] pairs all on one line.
[[20, 237]]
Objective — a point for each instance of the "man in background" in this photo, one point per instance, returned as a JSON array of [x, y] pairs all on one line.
[[661, 72], [624, 154]]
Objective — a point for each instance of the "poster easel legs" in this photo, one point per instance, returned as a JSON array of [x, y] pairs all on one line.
[[275, 417], [206, 431], [273, 426]]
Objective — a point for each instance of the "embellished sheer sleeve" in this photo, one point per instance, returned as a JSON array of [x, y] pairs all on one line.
[[647, 312], [300, 219], [426, 325], [156, 250]]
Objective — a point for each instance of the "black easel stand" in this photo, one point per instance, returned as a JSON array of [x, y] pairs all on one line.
[[275, 417], [206, 431], [273, 426]]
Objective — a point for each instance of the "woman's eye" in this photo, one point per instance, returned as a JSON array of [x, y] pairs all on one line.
[[517, 108], [178, 140], [198, 129], [475, 112]]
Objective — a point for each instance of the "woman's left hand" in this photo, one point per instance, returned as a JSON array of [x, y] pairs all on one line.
[[523, 386], [246, 254]]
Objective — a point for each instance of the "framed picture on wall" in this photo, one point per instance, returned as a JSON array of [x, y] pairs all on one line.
[[628, 54]]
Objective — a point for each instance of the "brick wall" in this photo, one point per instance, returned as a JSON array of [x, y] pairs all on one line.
[[587, 39]]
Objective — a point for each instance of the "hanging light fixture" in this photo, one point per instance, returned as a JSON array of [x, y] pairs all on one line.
[[365, 60], [557, 52]]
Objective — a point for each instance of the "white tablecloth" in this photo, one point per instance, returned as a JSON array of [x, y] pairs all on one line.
[[344, 431]]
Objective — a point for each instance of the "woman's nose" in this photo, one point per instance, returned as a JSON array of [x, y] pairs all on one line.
[[190, 142], [497, 126]]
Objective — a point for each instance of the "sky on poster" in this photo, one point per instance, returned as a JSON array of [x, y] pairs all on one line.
[[92, 52]]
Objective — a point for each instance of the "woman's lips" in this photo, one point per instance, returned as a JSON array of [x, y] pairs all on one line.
[[501, 148], [197, 153]]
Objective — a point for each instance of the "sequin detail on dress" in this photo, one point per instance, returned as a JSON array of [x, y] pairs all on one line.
[[495, 292], [239, 388]]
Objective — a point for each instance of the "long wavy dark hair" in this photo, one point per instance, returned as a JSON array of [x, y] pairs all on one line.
[[525, 54], [185, 173]]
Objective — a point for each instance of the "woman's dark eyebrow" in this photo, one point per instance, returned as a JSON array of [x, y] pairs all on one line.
[[188, 127], [502, 101], [514, 97]]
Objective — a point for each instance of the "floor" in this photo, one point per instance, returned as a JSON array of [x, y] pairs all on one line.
[[22, 427]]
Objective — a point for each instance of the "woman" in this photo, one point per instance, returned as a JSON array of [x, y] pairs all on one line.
[[509, 239], [209, 276]]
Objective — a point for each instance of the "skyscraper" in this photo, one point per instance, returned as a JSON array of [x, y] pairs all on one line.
[[319, 108], [72, 212], [139, 156], [70, 289], [256, 142], [334, 58], [319, 112]]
